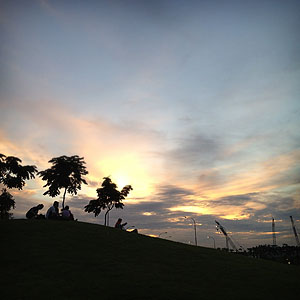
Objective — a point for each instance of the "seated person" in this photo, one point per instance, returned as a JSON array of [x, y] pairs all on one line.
[[66, 214], [33, 212], [52, 212], [119, 225]]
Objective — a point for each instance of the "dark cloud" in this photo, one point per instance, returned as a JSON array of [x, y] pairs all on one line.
[[171, 192], [211, 177], [153, 216], [236, 200], [196, 150], [278, 207]]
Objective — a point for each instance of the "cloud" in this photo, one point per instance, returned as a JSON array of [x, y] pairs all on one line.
[[124, 150], [171, 192], [196, 150], [93, 184], [236, 200], [154, 215], [198, 130]]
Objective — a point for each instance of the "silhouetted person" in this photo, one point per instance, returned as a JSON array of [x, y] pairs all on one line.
[[119, 224], [33, 212], [52, 212], [66, 214]]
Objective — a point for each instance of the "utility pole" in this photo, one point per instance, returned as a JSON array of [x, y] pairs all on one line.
[[273, 229], [295, 232]]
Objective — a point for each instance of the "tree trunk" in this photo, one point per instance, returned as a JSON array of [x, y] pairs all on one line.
[[64, 197], [106, 214]]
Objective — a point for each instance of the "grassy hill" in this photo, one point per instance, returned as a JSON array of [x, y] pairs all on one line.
[[73, 260]]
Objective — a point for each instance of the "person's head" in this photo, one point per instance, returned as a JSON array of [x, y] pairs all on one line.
[[55, 204], [67, 207], [119, 220], [40, 206]]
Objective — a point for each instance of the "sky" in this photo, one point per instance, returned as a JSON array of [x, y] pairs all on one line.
[[193, 103]]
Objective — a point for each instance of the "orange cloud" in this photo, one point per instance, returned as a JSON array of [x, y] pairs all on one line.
[[122, 151], [263, 176]]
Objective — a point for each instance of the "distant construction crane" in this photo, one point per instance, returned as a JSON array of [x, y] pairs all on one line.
[[228, 239], [295, 232], [273, 229]]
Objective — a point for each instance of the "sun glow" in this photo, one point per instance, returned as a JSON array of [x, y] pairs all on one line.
[[128, 169], [191, 209], [236, 216]]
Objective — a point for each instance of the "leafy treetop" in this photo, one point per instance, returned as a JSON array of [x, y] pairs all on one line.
[[108, 198], [66, 173], [13, 174]]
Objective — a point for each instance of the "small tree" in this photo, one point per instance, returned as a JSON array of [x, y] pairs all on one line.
[[108, 198], [7, 202], [13, 174], [66, 173]]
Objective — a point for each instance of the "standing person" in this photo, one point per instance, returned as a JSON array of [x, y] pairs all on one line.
[[66, 214], [52, 212], [119, 225], [33, 212]]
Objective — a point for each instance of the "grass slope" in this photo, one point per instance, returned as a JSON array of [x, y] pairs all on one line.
[[73, 260]]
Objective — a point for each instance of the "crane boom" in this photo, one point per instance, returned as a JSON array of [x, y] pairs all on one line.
[[228, 239], [295, 232]]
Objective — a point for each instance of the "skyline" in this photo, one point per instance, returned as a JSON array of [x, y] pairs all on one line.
[[193, 103]]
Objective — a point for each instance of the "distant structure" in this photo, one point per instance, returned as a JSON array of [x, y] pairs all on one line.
[[228, 239], [274, 235], [295, 232]]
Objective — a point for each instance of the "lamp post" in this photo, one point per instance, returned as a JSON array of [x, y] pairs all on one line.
[[195, 229], [162, 233], [210, 237]]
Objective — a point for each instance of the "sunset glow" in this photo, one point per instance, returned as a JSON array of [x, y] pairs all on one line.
[[195, 104]]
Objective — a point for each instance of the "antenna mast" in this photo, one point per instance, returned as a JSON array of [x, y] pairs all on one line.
[[273, 229], [295, 232]]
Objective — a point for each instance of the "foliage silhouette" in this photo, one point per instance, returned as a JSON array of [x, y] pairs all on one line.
[[66, 173], [108, 198], [13, 174], [7, 202]]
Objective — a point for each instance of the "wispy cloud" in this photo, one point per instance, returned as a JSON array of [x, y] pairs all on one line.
[[146, 94]]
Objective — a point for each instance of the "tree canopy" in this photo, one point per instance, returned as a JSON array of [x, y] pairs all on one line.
[[66, 173], [13, 174], [108, 198], [7, 202]]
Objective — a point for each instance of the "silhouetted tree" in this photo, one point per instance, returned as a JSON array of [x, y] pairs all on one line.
[[108, 198], [66, 173], [13, 174], [7, 202]]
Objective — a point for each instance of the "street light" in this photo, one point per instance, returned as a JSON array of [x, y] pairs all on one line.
[[162, 233], [195, 230], [210, 237]]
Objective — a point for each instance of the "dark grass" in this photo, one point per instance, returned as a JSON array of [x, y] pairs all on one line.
[[73, 260]]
